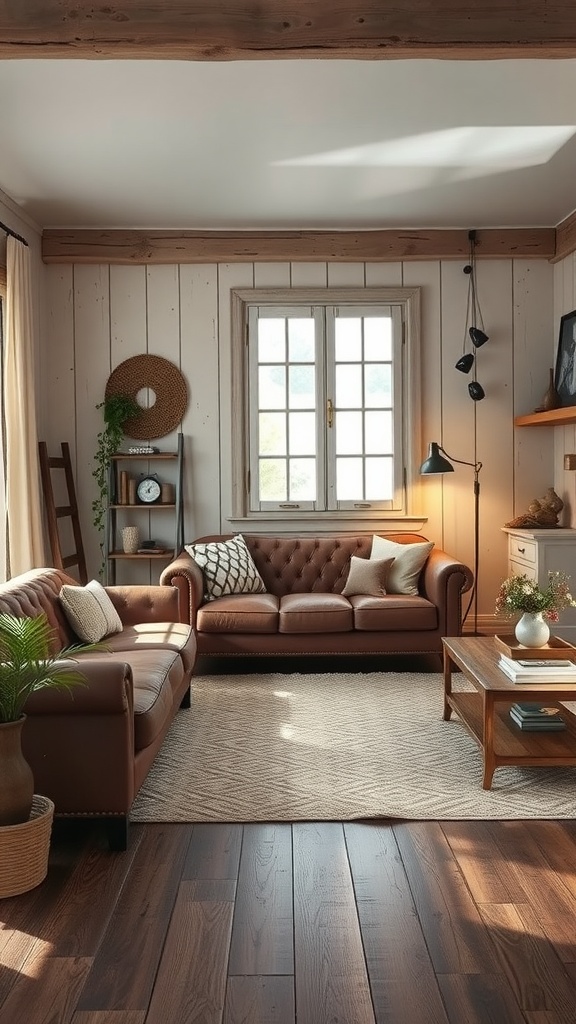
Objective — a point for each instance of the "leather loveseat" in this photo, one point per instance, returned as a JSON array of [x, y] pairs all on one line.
[[303, 610], [90, 748]]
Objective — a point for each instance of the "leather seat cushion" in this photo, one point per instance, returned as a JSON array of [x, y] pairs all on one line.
[[156, 675], [239, 613], [173, 636], [315, 613], [394, 613]]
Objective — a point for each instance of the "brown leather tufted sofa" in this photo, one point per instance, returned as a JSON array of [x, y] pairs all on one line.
[[304, 611], [90, 750]]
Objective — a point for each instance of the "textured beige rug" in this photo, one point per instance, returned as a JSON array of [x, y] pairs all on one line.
[[333, 747]]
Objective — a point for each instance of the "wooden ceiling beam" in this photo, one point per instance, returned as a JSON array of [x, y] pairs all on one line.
[[360, 29], [565, 238], [141, 247]]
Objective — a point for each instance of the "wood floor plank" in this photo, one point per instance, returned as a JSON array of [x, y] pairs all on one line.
[[214, 852], [123, 974], [47, 992], [557, 842], [262, 933], [487, 872], [331, 977], [545, 889], [109, 1017], [457, 940], [401, 975], [24, 918], [470, 998], [254, 1000], [97, 882], [535, 975], [191, 982]]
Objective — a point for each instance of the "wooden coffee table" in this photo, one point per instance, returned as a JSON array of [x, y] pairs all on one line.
[[484, 713]]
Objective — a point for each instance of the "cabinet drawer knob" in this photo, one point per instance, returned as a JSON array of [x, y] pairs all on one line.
[[521, 551]]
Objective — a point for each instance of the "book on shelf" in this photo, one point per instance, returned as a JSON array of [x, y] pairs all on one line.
[[537, 671], [538, 725]]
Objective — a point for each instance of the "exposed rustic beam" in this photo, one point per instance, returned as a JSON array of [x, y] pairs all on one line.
[[69, 246], [565, 238], [205, 30]]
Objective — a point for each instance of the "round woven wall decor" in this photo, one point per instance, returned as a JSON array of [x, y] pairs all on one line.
[[167, 383]]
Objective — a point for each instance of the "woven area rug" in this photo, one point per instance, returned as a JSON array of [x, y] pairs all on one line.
[[333, 747]]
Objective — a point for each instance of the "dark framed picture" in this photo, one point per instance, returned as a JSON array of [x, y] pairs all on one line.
[[565, 372]]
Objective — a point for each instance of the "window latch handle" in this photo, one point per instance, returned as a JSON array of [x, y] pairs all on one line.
[[289, 504], [329, 412]]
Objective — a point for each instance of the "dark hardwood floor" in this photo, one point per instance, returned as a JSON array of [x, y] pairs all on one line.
[[323, 923]]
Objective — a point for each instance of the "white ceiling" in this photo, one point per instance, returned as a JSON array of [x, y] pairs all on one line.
[[291, 144]]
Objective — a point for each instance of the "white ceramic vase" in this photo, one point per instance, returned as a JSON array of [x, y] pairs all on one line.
[[532, 630], [130, 540]]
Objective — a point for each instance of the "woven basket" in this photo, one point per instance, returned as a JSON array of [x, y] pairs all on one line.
[[24, 849]]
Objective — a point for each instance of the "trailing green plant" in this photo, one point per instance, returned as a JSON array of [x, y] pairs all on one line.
[[118, 409], [26, 664]]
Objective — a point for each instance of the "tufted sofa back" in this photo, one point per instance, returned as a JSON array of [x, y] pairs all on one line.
[[34, 592], [304, 565]]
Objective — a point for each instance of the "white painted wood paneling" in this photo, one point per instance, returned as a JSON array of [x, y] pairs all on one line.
[[309, 275], [532, 359], [426, 276], [230, 275], [199, 345], [93, 365]]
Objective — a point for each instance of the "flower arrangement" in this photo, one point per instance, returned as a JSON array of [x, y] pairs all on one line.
[[520, 594]]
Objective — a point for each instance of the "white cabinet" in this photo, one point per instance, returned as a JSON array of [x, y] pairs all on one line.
[[535, 553]]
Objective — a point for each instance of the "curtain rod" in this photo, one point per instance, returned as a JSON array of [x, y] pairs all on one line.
[[4, 227]]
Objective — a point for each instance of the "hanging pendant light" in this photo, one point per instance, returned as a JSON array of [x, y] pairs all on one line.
[[474, 326]]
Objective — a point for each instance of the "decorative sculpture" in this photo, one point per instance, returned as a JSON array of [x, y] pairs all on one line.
[[542, 513]]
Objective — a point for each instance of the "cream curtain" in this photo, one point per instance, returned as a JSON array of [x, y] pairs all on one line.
[[23, 505]]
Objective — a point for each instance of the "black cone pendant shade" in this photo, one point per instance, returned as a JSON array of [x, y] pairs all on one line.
[[478, 337], [476, 391], [465, 363]]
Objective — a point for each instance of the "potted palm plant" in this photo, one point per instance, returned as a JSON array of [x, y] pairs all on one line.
[[26, 665]]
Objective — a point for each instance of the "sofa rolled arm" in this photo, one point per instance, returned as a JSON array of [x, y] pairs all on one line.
[[80, 743], [145, 603], [107, 690], [185, 575], [444, 581]]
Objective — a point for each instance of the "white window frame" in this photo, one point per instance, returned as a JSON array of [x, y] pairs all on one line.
[[408, 503]]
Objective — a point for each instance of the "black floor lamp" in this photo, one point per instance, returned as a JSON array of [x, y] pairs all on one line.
[[436, 463]]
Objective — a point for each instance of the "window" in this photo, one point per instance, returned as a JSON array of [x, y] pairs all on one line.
[[329, 402]]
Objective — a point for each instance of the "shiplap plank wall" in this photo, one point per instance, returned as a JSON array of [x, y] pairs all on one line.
[[564, 437], [97, 316]]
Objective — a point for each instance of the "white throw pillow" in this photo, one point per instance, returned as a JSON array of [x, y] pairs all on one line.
[[227, 567], [367, 576], [409, 560], [90, 611]]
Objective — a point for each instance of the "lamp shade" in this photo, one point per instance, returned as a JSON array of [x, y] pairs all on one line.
[[478, 337], [435, 463]]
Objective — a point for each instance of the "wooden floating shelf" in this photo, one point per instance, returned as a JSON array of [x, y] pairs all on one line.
[[552, 418], [152, 554]]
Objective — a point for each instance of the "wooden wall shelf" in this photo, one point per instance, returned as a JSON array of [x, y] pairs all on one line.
[[553, 418]]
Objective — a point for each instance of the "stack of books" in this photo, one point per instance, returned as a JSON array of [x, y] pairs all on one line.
[[537, 717], [538, 670]]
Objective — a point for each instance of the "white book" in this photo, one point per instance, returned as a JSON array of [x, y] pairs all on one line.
[[541, 666], [538, 676]]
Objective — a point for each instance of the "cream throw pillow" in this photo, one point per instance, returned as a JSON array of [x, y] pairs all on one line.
[[367, 576], [90, 611], [409, 560]]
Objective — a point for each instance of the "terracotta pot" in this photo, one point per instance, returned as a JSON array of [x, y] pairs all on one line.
[[16, 779]]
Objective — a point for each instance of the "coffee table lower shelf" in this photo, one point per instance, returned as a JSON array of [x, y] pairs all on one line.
[[512, 746]]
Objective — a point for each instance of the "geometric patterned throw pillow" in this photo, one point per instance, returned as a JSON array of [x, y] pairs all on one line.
[[227, 567]]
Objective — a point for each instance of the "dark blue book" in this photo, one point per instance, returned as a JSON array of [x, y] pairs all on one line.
[[545, 724], [531, 709]]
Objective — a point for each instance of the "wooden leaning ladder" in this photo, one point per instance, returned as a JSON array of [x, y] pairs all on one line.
[[55, 512]]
